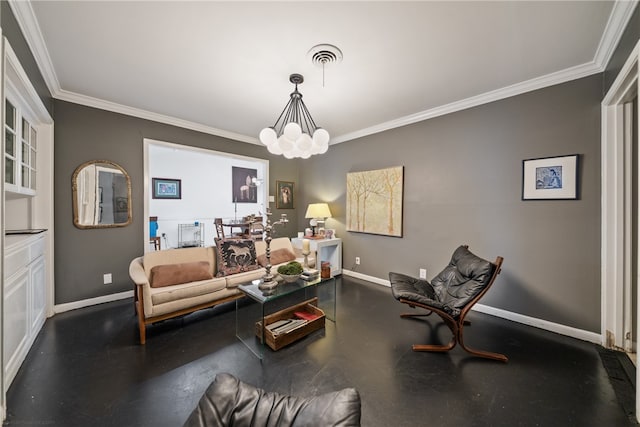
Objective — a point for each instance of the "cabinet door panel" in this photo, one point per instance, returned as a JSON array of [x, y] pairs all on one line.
[[38, 293], [16, 322]]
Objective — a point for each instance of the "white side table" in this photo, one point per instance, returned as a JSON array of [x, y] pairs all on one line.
[[326, 250]]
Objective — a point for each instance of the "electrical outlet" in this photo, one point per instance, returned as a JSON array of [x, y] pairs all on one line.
[[423, 273], [357, 260], [107, 279]]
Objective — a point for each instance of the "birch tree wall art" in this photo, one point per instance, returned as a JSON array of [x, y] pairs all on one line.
[[374, 201]]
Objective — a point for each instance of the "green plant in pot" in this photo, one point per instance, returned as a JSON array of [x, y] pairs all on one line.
[[290, 272]]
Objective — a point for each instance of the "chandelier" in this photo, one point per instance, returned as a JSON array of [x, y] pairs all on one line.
[[295, 134]]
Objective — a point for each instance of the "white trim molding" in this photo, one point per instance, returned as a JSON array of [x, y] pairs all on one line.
[[504, 314], [558, 328], [101, 104], [618, 19], [613, 203], [61, 308]]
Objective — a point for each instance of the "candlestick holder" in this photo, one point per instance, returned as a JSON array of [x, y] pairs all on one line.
[[306, 258], [268, 281]]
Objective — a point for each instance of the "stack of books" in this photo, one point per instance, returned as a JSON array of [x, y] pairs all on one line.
[[284, 326], [310, 274]]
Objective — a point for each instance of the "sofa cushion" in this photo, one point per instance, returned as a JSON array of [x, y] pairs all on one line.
[[279, 256], [175, 274], [177, 256], [235, 256], [183, 291]]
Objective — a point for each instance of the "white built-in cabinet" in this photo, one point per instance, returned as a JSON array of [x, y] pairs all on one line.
[[27, 204], [24, 298]]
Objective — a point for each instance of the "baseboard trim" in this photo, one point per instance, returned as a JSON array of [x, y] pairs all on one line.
[[508, 315], [61, 308], [569, 331], [361, 276]]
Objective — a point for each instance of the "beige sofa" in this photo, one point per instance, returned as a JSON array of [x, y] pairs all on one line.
[[175, 282]]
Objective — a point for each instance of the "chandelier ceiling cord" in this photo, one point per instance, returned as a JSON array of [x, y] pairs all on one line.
[[295, 133]]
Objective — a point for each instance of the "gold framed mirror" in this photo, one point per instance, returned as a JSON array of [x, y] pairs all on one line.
[[101, 195]]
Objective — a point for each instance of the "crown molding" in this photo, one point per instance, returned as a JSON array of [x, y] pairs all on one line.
[[618, 19], [563, 76], [101, 104], [617, 23], [31, 30]]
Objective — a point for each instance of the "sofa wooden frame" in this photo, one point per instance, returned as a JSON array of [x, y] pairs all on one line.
[[144, 321]]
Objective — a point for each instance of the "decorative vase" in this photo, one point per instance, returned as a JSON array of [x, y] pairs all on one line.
[[289, 278]]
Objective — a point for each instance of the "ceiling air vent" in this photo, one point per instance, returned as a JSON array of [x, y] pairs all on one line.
[[323, 55]]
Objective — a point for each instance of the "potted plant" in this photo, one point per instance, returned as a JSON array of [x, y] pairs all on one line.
[[291, 271]]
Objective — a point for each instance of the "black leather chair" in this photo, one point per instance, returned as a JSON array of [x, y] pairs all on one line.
[[451, 294], [231, 402]]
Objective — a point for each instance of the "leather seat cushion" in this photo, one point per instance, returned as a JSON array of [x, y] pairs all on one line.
[[230, 402], [464, 278]]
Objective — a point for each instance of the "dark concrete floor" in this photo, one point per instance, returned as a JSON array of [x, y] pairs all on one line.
[[87, 369]]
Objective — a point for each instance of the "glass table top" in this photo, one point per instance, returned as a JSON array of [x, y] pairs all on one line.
[[283, 288]]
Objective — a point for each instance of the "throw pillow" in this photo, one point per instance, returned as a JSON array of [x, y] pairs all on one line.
[[235, 256], [278, 256], [175, 274]]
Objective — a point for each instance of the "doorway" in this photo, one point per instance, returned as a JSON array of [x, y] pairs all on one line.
[[620, 194], [207, 186]]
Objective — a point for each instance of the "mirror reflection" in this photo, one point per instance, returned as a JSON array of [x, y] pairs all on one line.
[[101, 195]]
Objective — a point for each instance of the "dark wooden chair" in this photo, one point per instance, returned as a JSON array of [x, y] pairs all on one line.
[[450, 295], [256, 228], [219, 227]]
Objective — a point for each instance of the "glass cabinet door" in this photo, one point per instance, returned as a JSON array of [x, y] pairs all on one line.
[[28, 162], [20, 151], [10, 155]]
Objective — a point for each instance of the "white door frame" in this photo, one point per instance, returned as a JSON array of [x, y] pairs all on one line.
[[616, 207]]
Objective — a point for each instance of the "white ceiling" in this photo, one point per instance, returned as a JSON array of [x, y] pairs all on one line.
[[223, 67]]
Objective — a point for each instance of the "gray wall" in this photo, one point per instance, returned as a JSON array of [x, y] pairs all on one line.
[[462, 185], [463, 177], [82, 134]]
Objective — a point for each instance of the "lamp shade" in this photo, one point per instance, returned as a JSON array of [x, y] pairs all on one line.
[[318, 210]]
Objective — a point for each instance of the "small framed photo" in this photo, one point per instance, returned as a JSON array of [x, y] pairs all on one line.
[[166, 188], [285, 197], [329, 233], [550, 178]]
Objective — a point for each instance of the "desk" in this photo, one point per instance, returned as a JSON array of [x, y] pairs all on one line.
[[236, 223], [326, 250]]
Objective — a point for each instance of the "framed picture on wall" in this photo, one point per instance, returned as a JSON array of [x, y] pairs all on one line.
[[380, 212], [244, 189], [550, 178], [285, 195], [166, 188]]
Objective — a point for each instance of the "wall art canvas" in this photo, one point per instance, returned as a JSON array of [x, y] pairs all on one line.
[[550, 178], [243, 188], [374, 201], [285, 198]]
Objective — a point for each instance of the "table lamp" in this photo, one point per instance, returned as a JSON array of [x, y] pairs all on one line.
[[317, 212]]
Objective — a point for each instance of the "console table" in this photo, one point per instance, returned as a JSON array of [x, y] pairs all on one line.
[[260, 304], [326, 250]]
